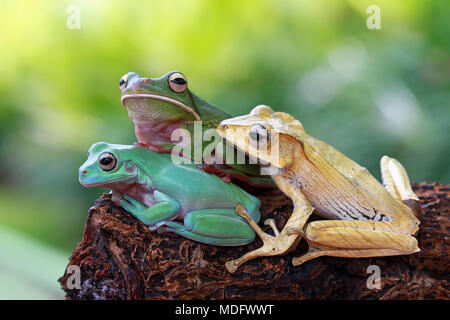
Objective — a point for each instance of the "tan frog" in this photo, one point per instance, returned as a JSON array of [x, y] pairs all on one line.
[[366, 219]]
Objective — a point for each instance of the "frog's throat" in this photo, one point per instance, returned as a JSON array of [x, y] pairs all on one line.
[[127, 180], [139, 177], [162, 98]]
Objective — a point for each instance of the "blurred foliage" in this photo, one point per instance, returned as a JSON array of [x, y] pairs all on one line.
[[366, 92], [28, 270]]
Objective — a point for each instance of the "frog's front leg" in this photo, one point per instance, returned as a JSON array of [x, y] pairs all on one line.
[[288, 237], [221, 227], [355, 239], [165, 208]]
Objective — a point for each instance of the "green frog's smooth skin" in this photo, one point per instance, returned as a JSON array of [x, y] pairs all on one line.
[[158, 106], [159, 192]]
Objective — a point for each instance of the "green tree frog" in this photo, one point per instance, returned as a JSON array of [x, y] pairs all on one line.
[[169, 197]]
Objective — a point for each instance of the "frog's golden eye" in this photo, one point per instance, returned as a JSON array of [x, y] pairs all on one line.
[[123, 82], [177, 82], [107, 161], [259, 134]]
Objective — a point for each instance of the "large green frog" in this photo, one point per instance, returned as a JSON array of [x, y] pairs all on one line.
[[159, 106]]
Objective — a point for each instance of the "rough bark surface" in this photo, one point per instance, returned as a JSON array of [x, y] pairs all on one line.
[[120, 259]]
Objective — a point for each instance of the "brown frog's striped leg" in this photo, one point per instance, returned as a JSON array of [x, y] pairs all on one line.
[[355, 239], [286, 239]]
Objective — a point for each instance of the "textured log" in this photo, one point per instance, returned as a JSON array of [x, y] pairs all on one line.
[[120, 259]]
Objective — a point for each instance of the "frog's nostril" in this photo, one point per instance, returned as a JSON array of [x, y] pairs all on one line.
[[147, 81]]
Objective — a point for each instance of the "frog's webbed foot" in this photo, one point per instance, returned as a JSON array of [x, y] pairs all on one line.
[[240, 210], [272, 245], [265, 250], [284, 240]]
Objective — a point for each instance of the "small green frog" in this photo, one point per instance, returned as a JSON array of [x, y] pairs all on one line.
[[150, 186], [159, 106]]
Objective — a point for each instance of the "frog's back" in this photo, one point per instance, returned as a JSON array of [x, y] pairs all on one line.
[[318, 150], [197, 189], [340, 188], [351, 170], [335, 185]]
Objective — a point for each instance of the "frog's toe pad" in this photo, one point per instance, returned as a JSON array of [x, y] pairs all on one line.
[[240, 210], [231, 266]]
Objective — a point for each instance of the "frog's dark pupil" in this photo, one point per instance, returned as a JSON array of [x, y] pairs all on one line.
[[255, 136], [179, 81], [121, 82], [105, 161], [260, 134]]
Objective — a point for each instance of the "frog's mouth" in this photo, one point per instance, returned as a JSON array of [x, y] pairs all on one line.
[[106, 183], [162, 106]]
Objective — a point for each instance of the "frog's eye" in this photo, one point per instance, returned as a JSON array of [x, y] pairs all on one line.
[[123, 82], [259, 134], [107, 161], [177, 82]]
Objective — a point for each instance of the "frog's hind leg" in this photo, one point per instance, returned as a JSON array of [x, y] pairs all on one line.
[[354, 239], [315, 252], [221, 227], [396, 182]]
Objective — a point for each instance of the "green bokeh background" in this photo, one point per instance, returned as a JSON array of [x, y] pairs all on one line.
[[366, 92]]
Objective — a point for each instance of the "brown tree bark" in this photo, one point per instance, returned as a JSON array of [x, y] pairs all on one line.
[[120, 259]]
